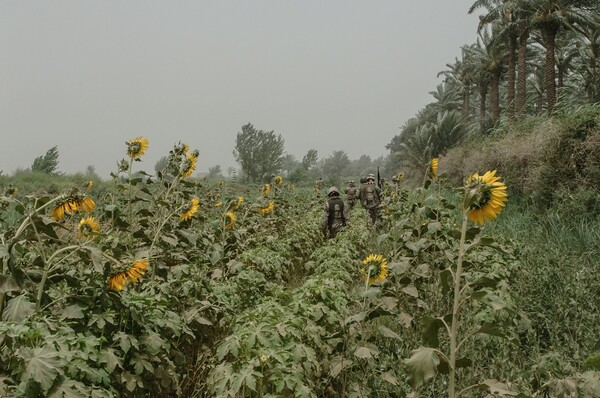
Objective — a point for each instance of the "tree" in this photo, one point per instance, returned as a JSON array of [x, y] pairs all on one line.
[[549, 16], [214, 172], [504, 14], [47, 163], [335, 164], [259, 152], [310, 159], [91, 171], [289, 163]]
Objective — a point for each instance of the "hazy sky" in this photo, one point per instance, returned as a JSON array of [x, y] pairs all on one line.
[[326, 74]]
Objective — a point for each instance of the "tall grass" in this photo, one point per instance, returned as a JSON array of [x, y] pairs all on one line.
[[558, 287]]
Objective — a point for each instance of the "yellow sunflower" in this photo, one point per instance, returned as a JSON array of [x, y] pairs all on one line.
[[88, 226], [71, 205], [117, 281], [89, 184], [189, 164], [134, 274], [137, 147], [137, 270], [485, 196], [434, 167], [191, 209], [267, 209], [229, 219], [240, 201], [278, 180], [375, 268], [265, 189], [219, 204]]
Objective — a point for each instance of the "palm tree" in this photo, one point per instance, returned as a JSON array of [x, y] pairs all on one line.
[[503, 13], [336, 163], [458, 77], [486, 61], [590, 43], [549, 16]]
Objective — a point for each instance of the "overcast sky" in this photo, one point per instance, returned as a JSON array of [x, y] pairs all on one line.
[[325, 74]]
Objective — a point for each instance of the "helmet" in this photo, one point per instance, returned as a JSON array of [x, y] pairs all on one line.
[[363, 180], [371, 177], [332, 190]]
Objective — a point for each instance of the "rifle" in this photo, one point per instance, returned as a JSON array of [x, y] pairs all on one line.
[[379, 179]]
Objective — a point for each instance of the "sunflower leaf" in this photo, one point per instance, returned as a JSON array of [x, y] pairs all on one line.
[[18, 308], [421, 365], [41, 365]]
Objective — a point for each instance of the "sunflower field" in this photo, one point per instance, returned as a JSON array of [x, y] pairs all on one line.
[[165, 286]]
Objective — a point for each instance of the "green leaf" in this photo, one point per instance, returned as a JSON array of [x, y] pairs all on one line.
[[97, 259], [488, 328], [129, 380], [8, 284], [446, 280], [411, 290], [386, 332], [71, 312], [42, 365], [69, 389], [390, 378], [421, 365], [18, 309], [382, 238], [363, 352], [111, 360], [430, 330], [496, 387], [406, 319], [153, 342]]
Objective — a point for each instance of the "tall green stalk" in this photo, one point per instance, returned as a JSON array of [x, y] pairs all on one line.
[[455, 309]]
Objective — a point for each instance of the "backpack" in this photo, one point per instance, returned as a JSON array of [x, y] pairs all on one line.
[[336, 211], [369, 194]]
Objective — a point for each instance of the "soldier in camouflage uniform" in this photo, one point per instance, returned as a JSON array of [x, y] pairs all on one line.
[[370, 198], [351, 194], [335, 215]]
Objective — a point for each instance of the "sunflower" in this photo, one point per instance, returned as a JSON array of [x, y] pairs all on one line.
[[133, 274], [88, 226], [89, 184], [118, 281], [189, 164], [191, 209], [434, 167], [265, 189], [375, 268], [137, 270], [240, 201], [485, 196], [71, 205], [229, 219], [218, 204], [136, 147], [267, 209], [278, 180]]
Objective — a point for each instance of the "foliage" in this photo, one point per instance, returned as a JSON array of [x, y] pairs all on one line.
[[47, 163], [259, 305], [260, 153]]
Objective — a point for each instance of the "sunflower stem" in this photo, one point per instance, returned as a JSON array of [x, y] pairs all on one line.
[[455, 310]]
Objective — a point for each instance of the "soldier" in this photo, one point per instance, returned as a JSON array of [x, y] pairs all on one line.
[[370, 197], [335, 216], [351, 193]]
